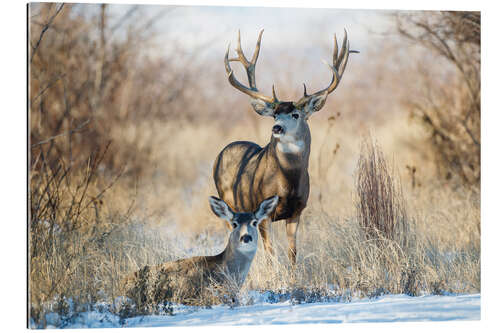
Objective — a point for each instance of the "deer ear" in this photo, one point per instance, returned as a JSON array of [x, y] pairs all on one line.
[[266, 207], [315, 103], [221, 209], [262, 108]]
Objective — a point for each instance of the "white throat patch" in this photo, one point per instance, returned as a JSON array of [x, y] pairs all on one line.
[[293, 147]]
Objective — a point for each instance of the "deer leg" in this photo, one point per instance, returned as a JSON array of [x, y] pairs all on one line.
[[291, 233], [265, 231]]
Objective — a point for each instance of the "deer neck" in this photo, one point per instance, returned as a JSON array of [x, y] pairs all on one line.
[[237, 263], [292, 153]]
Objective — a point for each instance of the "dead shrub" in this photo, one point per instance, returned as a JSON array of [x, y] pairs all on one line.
[[381, 207], [450, 109], [94, 79]]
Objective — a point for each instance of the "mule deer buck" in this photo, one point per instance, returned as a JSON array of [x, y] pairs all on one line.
[[187, 280], [245, 173]]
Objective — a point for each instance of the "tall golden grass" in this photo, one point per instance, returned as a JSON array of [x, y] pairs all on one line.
[[121, 169]]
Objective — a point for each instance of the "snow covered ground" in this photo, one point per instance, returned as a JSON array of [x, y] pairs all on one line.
[[388, 308]]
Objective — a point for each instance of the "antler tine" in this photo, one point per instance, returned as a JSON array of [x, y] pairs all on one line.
[[275, 99], [333, 84], [343, 63], [250, 69], [343, 51], [337, 68], [249, 65], [229, 71], [241, 55], [339, 63], [335, 49], [257, 48]]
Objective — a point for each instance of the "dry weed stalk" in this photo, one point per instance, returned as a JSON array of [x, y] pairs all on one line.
[[68, 229], [381, 207]]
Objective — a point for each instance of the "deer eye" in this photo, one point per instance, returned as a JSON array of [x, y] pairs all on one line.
[[235, 225], [295, 116], [254, 223]]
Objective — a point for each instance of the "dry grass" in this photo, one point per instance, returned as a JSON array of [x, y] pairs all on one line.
[[97, 216], [172, 220], [341, 256]]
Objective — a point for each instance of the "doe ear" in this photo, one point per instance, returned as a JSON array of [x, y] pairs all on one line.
[[315, 103], [221, 209], [262, 108], [266, 207]]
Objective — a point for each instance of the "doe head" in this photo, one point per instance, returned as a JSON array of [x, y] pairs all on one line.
[[244, 234]]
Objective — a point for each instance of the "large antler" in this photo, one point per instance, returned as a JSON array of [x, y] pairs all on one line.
[[337, 68], [250, 68]]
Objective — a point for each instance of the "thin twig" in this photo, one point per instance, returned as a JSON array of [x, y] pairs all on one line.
[[71, 131], [51, 82], [125, 17], [44, 29]]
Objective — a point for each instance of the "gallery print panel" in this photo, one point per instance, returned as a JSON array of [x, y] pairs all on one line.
[[201, 165]]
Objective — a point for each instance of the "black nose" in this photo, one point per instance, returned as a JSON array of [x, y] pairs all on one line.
[[277, 129], [246, 238]]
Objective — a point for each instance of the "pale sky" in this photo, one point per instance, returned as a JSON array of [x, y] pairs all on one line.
[[285, 28], [295, 40]]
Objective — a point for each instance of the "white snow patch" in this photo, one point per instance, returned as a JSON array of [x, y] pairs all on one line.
[[388, 308]]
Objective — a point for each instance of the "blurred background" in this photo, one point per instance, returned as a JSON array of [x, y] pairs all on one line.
[[129, 105]]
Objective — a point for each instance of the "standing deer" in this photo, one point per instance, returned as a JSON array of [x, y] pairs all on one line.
[[187, 280], [245, 173]]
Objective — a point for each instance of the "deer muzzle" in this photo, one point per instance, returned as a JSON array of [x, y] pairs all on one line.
[[278, 129], [246, 238]]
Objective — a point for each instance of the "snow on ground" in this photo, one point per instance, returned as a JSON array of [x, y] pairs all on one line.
[[388, 308]]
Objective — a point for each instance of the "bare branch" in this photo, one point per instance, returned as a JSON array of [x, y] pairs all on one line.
[[124, 18], [71, 131], [49, 84], [44, 29]]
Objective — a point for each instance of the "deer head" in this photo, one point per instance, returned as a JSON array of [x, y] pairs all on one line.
[[244, 234], [290, 117]]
